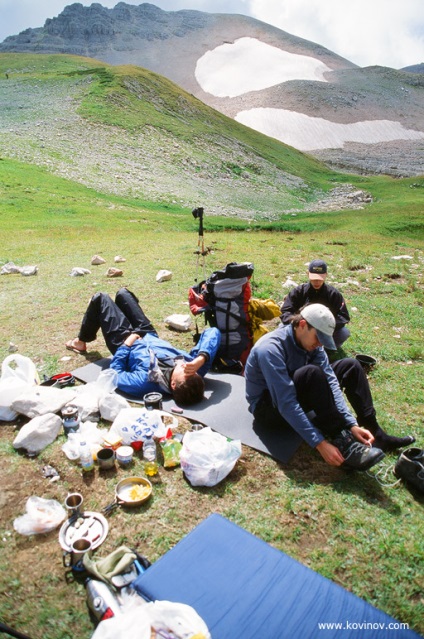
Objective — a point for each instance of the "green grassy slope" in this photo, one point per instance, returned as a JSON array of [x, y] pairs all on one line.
[[348, 527]]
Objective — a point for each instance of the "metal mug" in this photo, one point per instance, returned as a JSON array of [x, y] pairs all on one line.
[[73, 504], [153, 401], [74, 558], [106, 458]]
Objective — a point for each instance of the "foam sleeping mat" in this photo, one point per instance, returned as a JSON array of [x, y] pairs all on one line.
[[224, 409], [243, 588]]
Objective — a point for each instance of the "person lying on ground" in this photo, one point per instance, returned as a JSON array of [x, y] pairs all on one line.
[[144, 362], [290, 382], [316, 291]]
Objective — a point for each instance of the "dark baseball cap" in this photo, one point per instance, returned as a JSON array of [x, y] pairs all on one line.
[[317, 270]]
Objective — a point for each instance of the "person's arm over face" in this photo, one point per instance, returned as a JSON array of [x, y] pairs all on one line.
[[208, 344]]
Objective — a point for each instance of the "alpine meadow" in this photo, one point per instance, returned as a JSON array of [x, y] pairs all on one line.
[[110, 160]]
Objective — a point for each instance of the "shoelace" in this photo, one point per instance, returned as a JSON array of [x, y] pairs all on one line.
[[355, 447], [383, 473]]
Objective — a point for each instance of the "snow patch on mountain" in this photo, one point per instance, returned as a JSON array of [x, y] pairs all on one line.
[[248, 64], [307, 133]]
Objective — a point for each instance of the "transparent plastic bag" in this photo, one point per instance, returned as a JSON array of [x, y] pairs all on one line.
[[87, 432], [42, 516], [208, 457], [90, 397], [141, 620]]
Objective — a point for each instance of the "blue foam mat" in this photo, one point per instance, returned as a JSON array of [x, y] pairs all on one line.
[[243, 588]]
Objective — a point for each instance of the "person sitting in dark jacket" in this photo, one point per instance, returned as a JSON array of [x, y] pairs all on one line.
[[316, 291], [144, 362]]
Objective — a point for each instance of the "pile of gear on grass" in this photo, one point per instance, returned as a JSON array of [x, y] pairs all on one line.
[[57, 406]]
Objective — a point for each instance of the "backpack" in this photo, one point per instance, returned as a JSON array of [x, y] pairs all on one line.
[[224, 299]]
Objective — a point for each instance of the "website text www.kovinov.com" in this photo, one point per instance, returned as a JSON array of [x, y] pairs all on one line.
[[362, 625]]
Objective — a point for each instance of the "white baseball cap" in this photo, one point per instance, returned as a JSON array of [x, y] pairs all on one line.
[[322, 320]]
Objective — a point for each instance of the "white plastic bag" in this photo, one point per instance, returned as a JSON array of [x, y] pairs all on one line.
[[207, 457], [38, 433], [87, 432], [110, 405], [41, 400], [141, 620], [89, 396], [14, 381], [137, 425], [107, 381], [42, 516]]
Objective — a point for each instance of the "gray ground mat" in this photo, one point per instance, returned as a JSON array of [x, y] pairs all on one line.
[[224, 409]]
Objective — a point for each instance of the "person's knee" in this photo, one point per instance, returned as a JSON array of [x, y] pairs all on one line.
[[97, 297], [308, 374], [341, 335], [122, 293]]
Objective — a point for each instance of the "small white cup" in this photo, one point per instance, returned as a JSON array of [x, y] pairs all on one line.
[[124, 455]]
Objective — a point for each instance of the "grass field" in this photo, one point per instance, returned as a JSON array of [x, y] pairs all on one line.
[[348, 527]]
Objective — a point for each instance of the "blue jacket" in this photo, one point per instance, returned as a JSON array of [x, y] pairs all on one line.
[[134, 363], [271, 365]]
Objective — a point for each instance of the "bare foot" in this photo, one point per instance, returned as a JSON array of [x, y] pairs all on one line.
[[76, 345]]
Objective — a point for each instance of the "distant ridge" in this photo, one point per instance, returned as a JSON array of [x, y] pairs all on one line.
[[415, 68], [367, 120]]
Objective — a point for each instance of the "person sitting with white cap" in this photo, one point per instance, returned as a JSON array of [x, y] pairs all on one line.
[[316, 291], [290, 382]]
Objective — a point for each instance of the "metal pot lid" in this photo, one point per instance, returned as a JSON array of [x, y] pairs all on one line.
[[89, 525]]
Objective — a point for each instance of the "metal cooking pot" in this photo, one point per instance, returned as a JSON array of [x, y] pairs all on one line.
[[131, 491]]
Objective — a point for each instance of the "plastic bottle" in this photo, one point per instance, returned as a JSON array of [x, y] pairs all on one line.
[[86, 457], [149, 457]]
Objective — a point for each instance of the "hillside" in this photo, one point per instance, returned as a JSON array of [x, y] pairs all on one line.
[[127, 131], [362, 120]]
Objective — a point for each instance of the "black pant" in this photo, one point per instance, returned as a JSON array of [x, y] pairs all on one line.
[[116, 319], [314, 394]]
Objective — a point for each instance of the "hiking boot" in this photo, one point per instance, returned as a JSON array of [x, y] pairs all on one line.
[[410, 466], [356, 455]]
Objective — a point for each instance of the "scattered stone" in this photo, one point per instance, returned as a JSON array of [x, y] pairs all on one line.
[[163, 276], [96, 259], [178, 322], [401, 257], [12, 348], [79, 271], [29, 270], [289, 283], [119, 258], [10, 268], [114, 272]]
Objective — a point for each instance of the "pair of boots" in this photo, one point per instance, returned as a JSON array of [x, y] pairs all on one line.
[[382, 440]]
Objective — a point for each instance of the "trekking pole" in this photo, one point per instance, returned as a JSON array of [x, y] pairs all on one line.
[[201, 251]]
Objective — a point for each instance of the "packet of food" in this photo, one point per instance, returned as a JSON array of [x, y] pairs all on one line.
[[171, 450]]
